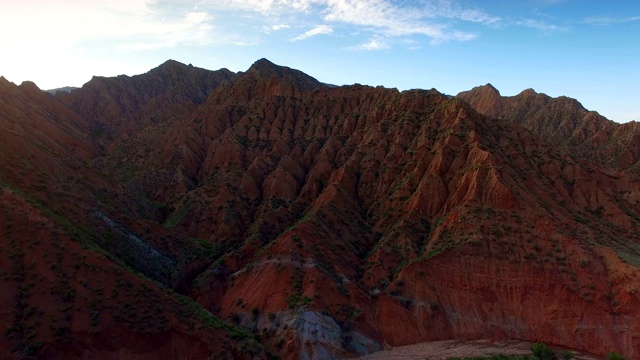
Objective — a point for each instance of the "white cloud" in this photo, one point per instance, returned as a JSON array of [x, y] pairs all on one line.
[[70, 23], [381, 17], [373, 44], [197, 17], [388, 19], [279, 27], [271, 28], [318, 30], [477, 16], [437, 20], [192, 28]]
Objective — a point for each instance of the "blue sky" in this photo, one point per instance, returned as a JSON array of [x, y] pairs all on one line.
[[589, 50]]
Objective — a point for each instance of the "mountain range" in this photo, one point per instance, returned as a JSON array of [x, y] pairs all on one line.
[[189, 213]]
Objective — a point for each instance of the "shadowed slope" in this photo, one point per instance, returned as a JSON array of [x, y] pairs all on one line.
[[73, 245]]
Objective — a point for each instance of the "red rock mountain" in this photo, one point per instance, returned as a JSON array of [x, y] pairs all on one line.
[[563, 121], [184, 213]]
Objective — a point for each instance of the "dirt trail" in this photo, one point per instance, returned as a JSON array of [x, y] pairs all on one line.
[[441, 350]]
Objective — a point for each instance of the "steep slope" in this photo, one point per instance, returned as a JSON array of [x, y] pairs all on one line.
[[563, 121], [61, 299], [44, 146], [73, 245], [46, 154], [121, 106], [353, 218]]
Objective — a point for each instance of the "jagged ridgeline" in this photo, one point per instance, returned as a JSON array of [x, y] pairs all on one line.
[[264, 213]]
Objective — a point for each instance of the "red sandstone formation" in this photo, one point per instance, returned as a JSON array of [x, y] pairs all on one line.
[[316, 221]]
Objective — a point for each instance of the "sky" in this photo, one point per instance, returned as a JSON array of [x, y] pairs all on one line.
[[585, 49]]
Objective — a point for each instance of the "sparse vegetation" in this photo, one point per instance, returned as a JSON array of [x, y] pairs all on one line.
[[542, 351], [614, 356]]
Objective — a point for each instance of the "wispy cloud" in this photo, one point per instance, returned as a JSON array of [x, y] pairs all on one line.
[[478, 17], [388, 19], [538, 25], [373, 44], [381, 17], [606, 20], [438, 21], [318, 30], [192, 28], [451, 10], [268, 29], [144, 25], [279, 27]]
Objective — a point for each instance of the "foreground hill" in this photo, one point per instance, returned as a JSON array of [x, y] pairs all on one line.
[[71, 262], [335, 221]]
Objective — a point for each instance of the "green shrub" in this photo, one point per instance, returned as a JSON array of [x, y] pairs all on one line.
[[614, 356], [542, 351]]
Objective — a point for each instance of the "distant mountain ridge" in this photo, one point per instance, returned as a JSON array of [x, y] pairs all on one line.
[[123, 105], [565, 122], [263, 214], [66, 89]]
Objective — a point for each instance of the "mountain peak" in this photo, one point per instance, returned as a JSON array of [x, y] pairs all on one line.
[[489, 87], [482, 90], [528, 92], [29, 85], [263, 63], [266, 68], [486, 99], [169, 66]]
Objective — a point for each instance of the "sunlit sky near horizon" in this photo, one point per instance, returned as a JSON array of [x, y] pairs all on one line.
[[585, 49]]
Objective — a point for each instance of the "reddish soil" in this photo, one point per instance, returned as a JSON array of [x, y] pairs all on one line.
[[442, 350]]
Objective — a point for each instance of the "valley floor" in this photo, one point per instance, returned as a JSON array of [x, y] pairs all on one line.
[[442, 350]]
